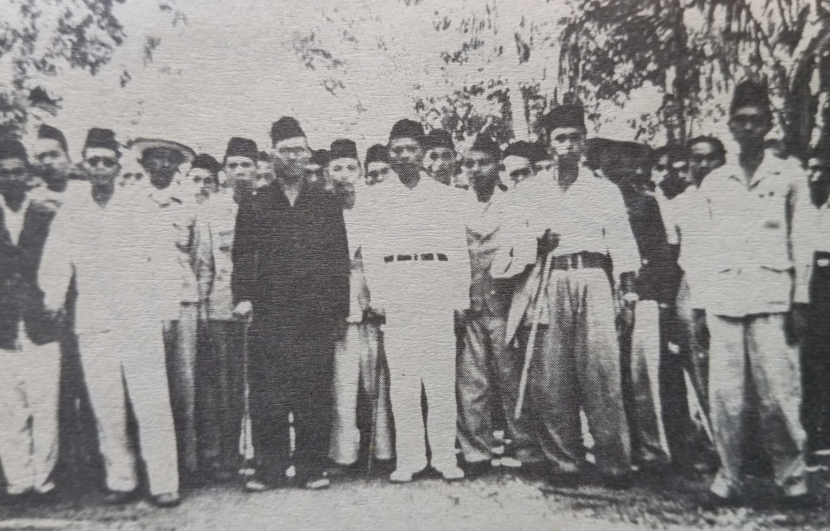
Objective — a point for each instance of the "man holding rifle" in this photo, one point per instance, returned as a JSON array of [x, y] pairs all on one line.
[[581, 242]]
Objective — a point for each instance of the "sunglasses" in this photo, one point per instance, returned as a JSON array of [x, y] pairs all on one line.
[[521, 173], [470, 163], [573, 137], [243, 165], [108, 162], [377, 174]]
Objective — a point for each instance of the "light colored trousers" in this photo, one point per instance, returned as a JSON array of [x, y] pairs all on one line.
[[488, 377], [180, 337], [421, 351], [645, 378], [29, 383], [357, 359], [576, 364], [127, 363], [756, 347]]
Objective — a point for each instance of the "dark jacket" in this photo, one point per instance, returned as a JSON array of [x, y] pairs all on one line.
[[20, 296], [292, 263]]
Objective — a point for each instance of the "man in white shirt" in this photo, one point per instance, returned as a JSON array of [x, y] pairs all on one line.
[[580, 221], [161, 160], [29, 345], [488, 371], [417, 269], [359, 363], [110, 242], [741, 270]]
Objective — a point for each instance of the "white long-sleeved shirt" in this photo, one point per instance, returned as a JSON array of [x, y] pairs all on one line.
[[743, 249], [120, 256], [589, 216], [391, 220]]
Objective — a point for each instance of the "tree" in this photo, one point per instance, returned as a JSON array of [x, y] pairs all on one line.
[[40, 39]]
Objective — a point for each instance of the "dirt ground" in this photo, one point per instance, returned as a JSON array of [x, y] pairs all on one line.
[[498, 501]]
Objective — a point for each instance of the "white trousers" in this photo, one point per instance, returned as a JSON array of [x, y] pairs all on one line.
[[128, 364], [356, 364], [755, 347], [421, 351], [29, 383]]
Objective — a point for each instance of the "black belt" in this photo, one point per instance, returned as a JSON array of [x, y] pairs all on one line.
[[581, 260], [425, 257]]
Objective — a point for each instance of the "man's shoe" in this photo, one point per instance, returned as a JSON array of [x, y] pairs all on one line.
[[257, 485], [119, 497], [317, 483], [401, 476], [453, 474], [507, 462], [166, 500], [799, 502], [474, 470], [710, 501]]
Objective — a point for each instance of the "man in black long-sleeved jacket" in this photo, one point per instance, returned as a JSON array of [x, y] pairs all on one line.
[[291, 268]]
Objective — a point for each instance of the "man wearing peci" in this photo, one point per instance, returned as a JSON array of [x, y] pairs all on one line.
[[291, 269]]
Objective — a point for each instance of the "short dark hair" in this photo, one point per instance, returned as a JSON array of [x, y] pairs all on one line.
[[674, 151], [711, 140]]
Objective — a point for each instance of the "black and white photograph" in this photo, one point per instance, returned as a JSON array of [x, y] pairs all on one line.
[[410, 265]]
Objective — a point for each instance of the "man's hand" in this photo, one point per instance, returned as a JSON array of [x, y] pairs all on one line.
[[243, 310], [547, 243]]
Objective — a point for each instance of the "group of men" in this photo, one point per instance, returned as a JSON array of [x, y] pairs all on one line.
[[540, 307]]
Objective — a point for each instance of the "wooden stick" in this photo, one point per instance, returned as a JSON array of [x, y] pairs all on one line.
[[544, 277]]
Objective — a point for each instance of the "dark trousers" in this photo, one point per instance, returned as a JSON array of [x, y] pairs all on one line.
[[290, 371], [815, 359], [220, 393]]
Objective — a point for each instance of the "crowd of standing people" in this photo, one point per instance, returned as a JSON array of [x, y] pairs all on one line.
[[578, 310]]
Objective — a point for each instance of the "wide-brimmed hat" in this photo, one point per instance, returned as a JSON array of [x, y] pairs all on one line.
[[141, 145]]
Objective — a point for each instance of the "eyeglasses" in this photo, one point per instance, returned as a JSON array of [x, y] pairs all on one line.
[[377, 174], [337, 168], [704, 158], [108, 162], [521, 173], [573, 137], [446, 156], [243, 165], [482, 163]]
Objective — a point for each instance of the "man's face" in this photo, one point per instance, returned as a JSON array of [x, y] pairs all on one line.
[[567, 143], [378, 172], [703, 158], [52, 161], [482, 168], [101, 165], [405, 156], [15, 176], [517, 169], [202, 183], [344, 172], [291, 156], [162, 163], [750, 124], [241, 172], [440, 164]]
